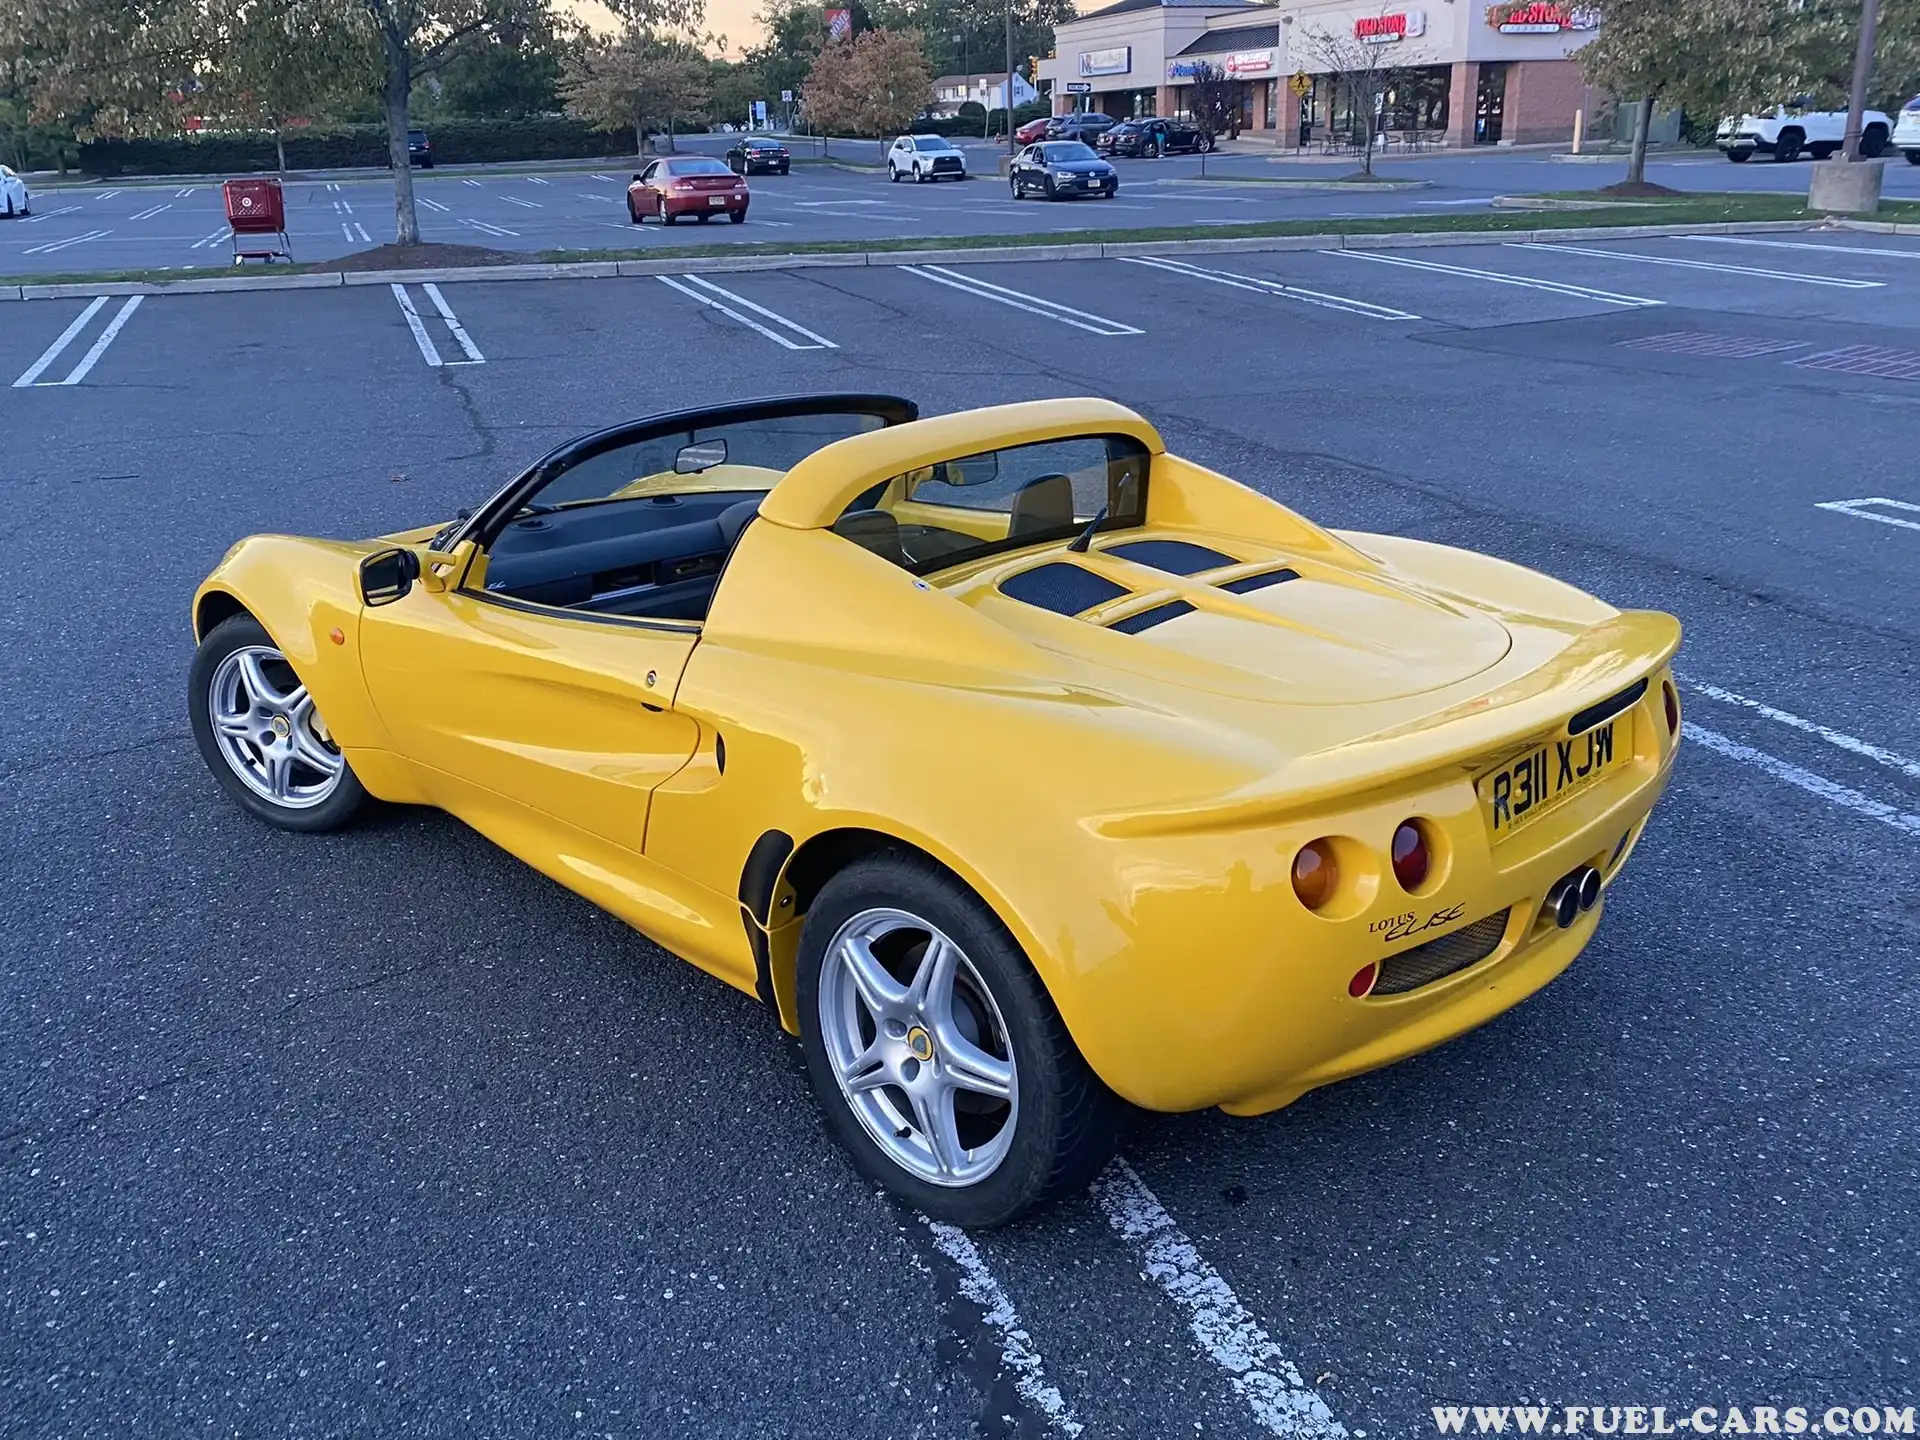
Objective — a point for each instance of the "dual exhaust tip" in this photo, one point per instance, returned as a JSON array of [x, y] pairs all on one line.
[[1573, 895]]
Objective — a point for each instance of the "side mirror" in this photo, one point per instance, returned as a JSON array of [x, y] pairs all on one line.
[[387, 575], [639, 177], [701, 455]]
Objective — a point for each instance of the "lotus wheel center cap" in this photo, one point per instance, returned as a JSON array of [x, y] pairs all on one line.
[[920, 1044], [281, 727]]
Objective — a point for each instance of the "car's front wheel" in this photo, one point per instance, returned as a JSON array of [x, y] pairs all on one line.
[[1913, 157], [1203, 144], [261, 735], [936, 1053]]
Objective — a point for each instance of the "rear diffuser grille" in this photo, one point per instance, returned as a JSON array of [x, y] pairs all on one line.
[[1437, 959]]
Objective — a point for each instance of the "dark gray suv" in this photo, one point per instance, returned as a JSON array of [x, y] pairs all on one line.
[[1080, 125]]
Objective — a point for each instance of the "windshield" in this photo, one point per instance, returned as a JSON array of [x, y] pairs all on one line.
[[964, 509], [1066, 153], [694, 167], [930, 142]]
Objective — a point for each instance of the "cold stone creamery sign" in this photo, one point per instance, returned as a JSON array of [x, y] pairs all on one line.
[[1540, 17], [1117, 61], [1385, 29]]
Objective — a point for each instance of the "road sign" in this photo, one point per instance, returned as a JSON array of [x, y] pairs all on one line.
[[1300, 84], [786, 97], [1079, 87]]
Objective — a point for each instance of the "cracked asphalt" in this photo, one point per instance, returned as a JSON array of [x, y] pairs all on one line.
[[383, 1134]]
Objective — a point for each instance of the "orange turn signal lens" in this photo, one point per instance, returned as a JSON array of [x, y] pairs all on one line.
[[1315, 875]]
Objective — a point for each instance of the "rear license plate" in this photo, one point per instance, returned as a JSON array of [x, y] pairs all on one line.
[[716, 200], [1532, 783]]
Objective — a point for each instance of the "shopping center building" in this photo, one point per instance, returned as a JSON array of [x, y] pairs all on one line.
[[1447, 72]]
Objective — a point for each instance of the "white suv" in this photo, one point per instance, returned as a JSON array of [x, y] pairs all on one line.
[[14, 199], [1790, 129], [1906, 134], [925, 157]]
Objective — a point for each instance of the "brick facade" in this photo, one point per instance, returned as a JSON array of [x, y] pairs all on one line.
[[1541, 98]]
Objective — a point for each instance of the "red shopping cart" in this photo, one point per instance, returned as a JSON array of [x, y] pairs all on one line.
[[258, 214]]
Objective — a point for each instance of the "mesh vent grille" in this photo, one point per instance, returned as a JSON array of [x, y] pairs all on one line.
[[1437, 959], [1062, 588]]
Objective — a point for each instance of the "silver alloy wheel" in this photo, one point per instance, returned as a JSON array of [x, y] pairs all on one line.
[[925, 1062], [269, 732]]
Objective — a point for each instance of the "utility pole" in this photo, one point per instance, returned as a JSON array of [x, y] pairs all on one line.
[[1009, 94], [1862, 68]]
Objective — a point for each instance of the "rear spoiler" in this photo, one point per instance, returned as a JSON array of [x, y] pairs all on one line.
[[1597, 667]]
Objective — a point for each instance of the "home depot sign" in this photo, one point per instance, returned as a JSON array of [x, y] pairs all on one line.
[[1385, 29]]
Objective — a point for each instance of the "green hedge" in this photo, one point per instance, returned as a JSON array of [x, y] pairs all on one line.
[[455, 142]]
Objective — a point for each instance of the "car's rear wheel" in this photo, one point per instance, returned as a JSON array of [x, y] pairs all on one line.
[[1913, 157], [667, 217], [1873, 141], [261, 735], [737, 217], [1787, 147], [936, 1053]]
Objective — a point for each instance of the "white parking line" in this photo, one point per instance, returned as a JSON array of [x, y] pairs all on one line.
[[474, 183], [87, 361], [69, 242], [1222, 1327], [1853, 508], [1262, 286], [1818, 785], [1017, 1353], [184, 191], [348, 231], [1833, 282], [1020, 300], [536, 180], [151, 211], [209, 241], [608, 179], [333, 186], [1852, 744], [106, 194], [523, 204], [428, 351], [362, 231], [820, 342], [1809, 245], [50, 214], [474, 357], [487, 227], [433, 205], [31, 376], [1497, 277]]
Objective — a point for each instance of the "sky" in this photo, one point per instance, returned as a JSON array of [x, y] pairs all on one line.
[[730, 18]]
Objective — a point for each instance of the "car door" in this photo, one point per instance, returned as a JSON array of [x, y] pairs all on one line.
[[649, 187], [558, 714]]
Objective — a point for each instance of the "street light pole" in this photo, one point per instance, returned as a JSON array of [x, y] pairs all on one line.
[[1009, 95], [1862, 68]]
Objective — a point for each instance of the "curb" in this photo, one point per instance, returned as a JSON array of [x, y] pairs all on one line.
[[604, 269], [1878, 227], [1362, 187]]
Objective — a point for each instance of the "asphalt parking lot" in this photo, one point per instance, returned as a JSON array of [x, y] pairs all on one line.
[[161, 225], [383, 1133]]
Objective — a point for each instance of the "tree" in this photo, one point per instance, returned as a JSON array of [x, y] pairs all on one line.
[[500, 81], [272, 62], [1365, 67], [102, 67], [633, 83], [872, 85], [1213, 99]]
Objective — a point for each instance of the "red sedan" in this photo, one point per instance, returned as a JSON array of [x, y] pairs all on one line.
[[1033, 131], [687, 185]]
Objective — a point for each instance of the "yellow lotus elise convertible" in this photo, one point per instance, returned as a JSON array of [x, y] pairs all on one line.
[[1021, 768]]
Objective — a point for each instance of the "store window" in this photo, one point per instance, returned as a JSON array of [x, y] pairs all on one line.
[[1490, 103], [1270, 110], [1246, 106], [1417, 100]]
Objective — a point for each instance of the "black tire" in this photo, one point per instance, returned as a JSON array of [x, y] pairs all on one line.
[[1067, 1125], [632, 214], [349, 796], [705, 215], [667, 217], [1203, 144], [736, 217], [1019, 191], [893, 173], [1739, 157], [1049, 189], [1787, 147], [1913, 157], [1873, 141]]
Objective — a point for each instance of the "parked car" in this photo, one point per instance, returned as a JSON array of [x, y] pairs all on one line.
[[1079, 125], [1906, 133], [747, 156], [419, 150], [1022, 769], [925, 157], [1789, 129], [1152, 136], [1056, 169], [1033, 130], [687, 185], [14, 199]]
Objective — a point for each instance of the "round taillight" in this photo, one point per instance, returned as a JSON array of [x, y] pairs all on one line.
[[1362, 982], [1315, 875], [1673, 707], [1411, 857]]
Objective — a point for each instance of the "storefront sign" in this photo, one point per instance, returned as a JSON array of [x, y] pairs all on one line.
[[1117, 61], [1079, 87], [1385, 29], [1540, 17], [1250, 62], [1243, 65]]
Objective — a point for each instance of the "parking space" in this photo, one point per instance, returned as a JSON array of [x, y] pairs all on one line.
[[388, 1113]]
